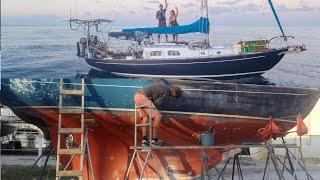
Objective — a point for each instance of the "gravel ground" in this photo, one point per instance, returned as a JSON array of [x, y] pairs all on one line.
[[251, 169]]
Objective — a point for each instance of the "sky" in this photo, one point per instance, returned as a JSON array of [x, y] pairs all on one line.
[[142, 12]]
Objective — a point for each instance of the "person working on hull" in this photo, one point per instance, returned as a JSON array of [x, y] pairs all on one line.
[[161, 17], [154, 95], [173, 22]]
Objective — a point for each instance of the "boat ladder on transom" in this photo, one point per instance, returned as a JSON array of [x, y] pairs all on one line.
[[72, 149]]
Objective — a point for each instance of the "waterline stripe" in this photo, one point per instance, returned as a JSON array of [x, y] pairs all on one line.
[[184, 76], [165, 112]]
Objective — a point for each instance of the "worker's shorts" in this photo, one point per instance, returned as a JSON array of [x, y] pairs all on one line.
[[141, 100]]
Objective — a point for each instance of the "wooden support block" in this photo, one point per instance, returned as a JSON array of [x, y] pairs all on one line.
[[71, 111], [71, 130], [69, 151], [69, 173], [72, 92]]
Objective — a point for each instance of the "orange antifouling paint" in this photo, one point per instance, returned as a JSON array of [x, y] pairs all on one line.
[[271, 130], [302, 129]]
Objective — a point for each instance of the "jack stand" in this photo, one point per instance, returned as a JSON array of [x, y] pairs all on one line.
[[293, 159], [45, 164], [236, 162], [205, 163], [235, 165], [48, 151]]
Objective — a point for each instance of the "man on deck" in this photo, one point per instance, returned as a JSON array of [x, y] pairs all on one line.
[[161, 17], [154, 95]]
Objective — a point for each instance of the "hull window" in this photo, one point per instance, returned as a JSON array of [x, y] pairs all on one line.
[[156, 53], [173, 53]]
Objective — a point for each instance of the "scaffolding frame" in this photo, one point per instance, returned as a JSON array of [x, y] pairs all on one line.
[[280, 166], [145, 149]]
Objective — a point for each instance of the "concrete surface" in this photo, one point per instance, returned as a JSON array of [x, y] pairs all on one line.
[[252, 169]]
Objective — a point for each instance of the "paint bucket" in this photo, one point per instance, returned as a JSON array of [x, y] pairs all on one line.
[[207, 139]]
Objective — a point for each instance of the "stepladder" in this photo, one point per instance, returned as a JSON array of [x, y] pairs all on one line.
[[139, 150], [72, 141]]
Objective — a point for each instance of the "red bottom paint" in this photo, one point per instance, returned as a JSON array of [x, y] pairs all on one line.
[[110, 140]]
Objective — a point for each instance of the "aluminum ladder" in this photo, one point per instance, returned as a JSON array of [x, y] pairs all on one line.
[[139, 149], [80, 150]]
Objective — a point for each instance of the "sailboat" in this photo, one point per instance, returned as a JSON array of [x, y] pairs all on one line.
[[187, 60], [237, 113]]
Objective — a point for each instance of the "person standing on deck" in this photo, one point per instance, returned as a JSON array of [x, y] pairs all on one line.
[[154, 95], [161, 17], [174, 22]]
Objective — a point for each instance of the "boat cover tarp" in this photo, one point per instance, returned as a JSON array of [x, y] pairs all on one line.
[[202, 25], [302, 129], [271, 130]]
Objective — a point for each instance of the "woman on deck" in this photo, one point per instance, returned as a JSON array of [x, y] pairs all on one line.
[[173, 22]]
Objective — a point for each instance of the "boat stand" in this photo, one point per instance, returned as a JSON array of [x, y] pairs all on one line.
[[290, 162], [236, 165], [48, 152], [205, 160]]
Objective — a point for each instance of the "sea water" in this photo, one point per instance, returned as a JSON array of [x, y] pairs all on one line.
[[50, 52]]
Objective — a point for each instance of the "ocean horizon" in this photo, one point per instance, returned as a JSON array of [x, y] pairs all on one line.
[[34, 51]]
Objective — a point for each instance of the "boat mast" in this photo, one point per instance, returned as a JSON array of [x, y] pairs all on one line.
[[205, 13], [88, 38]]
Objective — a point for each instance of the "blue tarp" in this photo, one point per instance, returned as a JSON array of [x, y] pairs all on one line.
[[201, 26]]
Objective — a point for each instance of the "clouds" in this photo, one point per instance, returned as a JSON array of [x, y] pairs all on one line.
[[154, 2], [142, 11], [230, 2], [302, 8], [188, 5], [132, 12], [98, 2], [247, 8]]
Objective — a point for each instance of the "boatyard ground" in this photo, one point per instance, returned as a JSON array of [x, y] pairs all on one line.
[[15, 166]]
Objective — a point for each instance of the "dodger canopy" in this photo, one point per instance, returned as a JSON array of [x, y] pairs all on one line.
[[202, 25]]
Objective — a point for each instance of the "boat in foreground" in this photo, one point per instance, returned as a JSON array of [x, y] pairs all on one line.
[[237, 112]]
